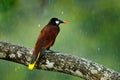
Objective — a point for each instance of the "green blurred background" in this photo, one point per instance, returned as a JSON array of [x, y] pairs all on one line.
[[92, 32]]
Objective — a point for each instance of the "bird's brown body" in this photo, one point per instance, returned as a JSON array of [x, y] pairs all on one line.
[[45, 40]]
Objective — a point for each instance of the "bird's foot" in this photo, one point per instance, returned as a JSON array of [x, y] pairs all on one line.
[[51, 51]]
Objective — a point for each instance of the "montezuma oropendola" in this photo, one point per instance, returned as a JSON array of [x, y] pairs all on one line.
[[45, 40]]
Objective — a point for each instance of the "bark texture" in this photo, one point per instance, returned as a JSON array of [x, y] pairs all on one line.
[[54, 61]]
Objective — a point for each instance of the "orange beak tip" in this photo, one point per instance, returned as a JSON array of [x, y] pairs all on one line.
[[65, 22]]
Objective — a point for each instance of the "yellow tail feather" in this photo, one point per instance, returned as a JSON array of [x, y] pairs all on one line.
[[31, 66]]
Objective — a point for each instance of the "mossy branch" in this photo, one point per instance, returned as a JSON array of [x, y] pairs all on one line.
[[58, 62]]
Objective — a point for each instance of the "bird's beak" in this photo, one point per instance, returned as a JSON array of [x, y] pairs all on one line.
[[64, 22]]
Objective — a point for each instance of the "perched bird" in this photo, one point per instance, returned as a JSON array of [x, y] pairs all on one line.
[[45, 40]]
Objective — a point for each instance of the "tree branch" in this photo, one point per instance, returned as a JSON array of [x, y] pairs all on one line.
[[58, 62]]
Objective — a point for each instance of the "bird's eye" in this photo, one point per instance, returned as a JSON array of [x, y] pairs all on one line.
[[57, 22]]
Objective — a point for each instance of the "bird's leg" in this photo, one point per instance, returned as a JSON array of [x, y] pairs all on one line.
[[43, 51], [48, 50], [51, 51]]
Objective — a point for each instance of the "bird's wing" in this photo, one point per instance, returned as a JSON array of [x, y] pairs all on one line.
[[46, 39], [50, 36]]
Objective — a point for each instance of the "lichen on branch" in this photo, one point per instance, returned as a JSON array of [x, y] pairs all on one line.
[[59, 62]]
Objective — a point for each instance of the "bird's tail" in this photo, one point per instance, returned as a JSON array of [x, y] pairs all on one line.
[[33, 61]]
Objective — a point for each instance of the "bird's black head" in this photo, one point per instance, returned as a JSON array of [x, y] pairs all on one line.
[[56, 21]]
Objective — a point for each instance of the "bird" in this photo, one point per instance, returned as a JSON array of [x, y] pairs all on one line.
[[45, 40]]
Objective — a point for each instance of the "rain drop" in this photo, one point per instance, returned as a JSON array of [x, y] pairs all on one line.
[[98, 49], [62, 12], [39, 25]]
